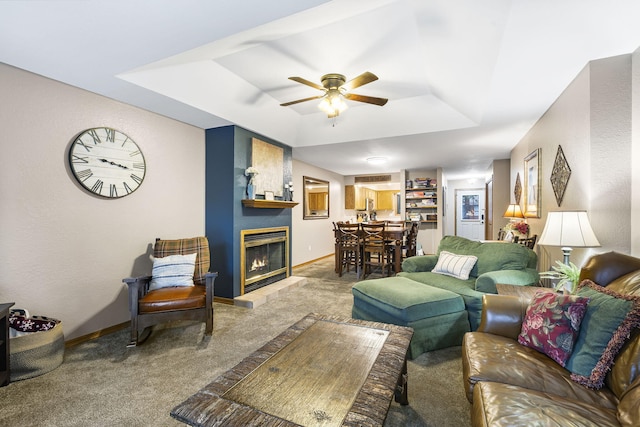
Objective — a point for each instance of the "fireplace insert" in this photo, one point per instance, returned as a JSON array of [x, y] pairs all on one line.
[[265, 257]]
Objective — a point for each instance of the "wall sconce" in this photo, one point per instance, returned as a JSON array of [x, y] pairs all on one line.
[[569, 229]]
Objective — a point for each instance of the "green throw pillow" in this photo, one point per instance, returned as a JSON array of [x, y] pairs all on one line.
[[606, 325]]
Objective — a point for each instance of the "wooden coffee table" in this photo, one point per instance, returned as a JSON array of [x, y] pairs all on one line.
[[322, 371]]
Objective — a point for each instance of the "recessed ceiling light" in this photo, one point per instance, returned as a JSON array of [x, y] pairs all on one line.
[[376, 160]]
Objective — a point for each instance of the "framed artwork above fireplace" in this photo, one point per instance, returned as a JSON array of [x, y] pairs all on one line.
[[268, 160]]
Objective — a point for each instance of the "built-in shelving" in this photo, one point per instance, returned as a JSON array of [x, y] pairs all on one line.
[[268, 204], [421, 203]]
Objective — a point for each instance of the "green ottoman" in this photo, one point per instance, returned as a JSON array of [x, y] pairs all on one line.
[[437, 316]]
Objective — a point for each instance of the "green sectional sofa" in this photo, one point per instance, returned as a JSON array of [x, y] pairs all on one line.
[[441, 308]]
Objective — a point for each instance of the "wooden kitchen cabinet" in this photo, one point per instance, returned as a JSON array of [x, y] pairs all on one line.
[[355, 197], [349, 196], [384, 200], [318, 201]]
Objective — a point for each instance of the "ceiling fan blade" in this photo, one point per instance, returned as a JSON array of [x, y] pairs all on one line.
[[361, 80], [301, 100], [367, 99], [307, 82]]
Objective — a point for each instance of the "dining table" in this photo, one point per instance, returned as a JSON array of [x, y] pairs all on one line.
[[395, 233]]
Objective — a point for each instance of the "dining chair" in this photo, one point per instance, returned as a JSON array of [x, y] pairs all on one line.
[[376, 250], [529, 242]]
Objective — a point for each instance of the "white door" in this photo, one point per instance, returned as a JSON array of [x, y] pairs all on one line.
[[470, 213]]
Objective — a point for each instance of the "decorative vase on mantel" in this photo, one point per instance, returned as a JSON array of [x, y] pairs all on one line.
[[251, 172], [250, 191]]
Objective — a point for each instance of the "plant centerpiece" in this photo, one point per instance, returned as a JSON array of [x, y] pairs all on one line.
[[520, 228], [251, 172], [569, 276]]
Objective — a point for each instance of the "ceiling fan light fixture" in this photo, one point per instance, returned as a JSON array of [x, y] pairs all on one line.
[[333, 103], [336, 90]]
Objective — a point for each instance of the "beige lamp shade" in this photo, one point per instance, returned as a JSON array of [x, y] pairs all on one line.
[[513, 211], [569, 229]]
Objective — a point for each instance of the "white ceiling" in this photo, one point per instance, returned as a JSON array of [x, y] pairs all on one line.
[[465, 79]]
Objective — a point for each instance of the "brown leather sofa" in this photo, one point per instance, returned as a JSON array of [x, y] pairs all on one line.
[[513, 385]]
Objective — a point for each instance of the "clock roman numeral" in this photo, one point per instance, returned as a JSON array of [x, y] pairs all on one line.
[[138, 166], [111, 135], [125, 141], [78, 159], [134, 153], [81, 142], [84, 174], [93, 134], [97, 187], [126, 187], [136, 178], [113, 192]]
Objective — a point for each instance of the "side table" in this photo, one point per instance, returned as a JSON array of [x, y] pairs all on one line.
[[4, 343], [524, 292]]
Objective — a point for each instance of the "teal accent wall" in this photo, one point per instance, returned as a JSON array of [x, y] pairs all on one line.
[[228, 154]]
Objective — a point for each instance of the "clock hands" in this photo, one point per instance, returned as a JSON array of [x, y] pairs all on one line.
[[113, 163]]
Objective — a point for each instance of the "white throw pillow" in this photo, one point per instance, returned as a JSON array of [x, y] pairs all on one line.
[[458, 266], [173, 271]]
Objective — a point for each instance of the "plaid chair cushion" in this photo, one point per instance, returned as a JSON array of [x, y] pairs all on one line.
[[199, 245]]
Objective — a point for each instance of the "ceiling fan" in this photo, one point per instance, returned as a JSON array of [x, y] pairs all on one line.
[[336, 89]]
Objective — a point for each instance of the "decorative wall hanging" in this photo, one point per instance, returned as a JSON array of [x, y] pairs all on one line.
[[517, 191], [532, 205], [268, 159], [560, 175]]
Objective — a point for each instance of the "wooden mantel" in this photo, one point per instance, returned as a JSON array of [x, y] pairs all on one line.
[[268, 204]]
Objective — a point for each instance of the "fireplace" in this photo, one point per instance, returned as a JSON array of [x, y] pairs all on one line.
[[264, 257]]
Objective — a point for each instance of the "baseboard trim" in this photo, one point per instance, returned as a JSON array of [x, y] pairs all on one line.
[[223, 300], [304, 264], [97, 334], [115, 328]]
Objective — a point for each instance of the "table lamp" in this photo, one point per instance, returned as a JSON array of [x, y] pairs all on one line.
[[568, 229], [513, 211]]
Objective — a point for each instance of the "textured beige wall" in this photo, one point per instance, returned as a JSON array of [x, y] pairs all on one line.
[[313, 238], [64, 252], [635, 153], [502, 193], [592, 122]]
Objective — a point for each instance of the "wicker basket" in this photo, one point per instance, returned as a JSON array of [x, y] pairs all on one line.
[[36, 353]]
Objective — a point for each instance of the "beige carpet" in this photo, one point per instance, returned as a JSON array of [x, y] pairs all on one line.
[[103, 383]]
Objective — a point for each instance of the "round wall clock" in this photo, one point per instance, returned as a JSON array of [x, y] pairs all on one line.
[[107, 162]]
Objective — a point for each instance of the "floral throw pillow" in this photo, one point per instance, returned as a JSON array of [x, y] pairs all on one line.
[[552, 323]]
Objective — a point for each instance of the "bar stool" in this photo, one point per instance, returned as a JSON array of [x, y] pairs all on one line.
[[411, 244], [348, 247], [376, 250]]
